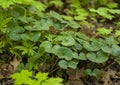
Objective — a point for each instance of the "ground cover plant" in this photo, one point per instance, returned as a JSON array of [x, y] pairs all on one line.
[[61, 42]]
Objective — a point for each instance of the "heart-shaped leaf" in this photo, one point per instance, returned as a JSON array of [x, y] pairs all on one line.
[[73, 64], [43, 24], [82, 56], [63, 64], [62, 52], [47, 46], [94, 46], [68, 41], [18, 11], [99, 57], [15, 33], [75, 55], [33, 36], [77, 47], [115, 50], [107, 49]]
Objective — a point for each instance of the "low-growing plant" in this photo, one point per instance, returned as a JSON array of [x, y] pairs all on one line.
[[94, 73], [106, 12], [27, 77], [104, 31], [37, 35]]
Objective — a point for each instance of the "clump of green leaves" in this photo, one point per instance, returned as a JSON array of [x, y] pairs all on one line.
[[94, 73], [106, 12], [26, 77], [42, 36], [6, 3], [103, 31]]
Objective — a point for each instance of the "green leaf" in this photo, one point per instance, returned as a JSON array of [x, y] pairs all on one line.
[[56, 15], [68, 41], [47, 46], [33, 36], [38, 5], [82, 36], [110, 40], [73, 64], [40, 25], [26, 77], [6, 3], [75, 55], [82, 56], [118, 26], [27, 48], [20, 67], [34, 63], [87, 72], [94, 46], [112, 5], [60, 26], [18, 11], [115, 50], [117, 33], [104, 31], [15, 33], [95, 73], [41, 76], [73, 24], [63, 64], [62, 52], [99, 57], [80, 18], [118, 60], [81, 41], [81, 14], [69, 18], [22, 77], [53, 81], [78, 47], [57, 3], [106, 49], [4, 22], [104, 12]]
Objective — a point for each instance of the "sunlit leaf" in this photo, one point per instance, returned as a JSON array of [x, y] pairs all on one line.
[[23, 77], [6, 3], [104, 31]]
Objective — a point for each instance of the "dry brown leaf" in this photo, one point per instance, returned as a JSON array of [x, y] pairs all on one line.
[[107, 77], [6, 70], [15, 62], [74, 76]]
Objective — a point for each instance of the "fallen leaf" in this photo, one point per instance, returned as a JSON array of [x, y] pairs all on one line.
[[15, 62]]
